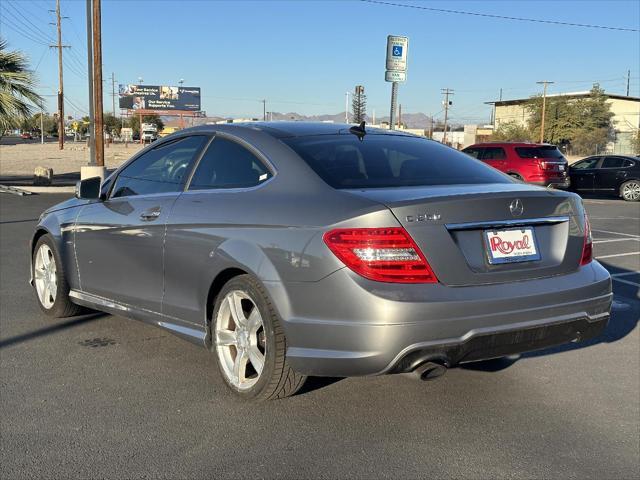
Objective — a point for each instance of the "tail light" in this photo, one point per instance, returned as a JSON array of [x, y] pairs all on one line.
[[381, 254], [587, 246]]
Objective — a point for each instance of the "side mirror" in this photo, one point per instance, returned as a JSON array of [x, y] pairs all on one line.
[[89, 188]]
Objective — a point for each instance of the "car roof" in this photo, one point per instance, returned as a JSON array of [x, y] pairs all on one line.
[[512, 144], [289, 129]]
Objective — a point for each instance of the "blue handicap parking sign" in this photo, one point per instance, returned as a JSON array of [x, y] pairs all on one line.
[[397, 51]]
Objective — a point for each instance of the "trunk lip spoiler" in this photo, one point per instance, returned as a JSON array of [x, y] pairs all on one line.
[[507, 223]]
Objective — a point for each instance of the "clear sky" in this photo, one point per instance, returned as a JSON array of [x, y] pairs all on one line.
[[302, 56]]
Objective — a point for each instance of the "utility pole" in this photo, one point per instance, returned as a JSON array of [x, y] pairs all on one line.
[[92, 137], [97, 83], [399, 115], [41, 127], [113, 93], [59, 46], [628, 80], [446, 92], [544, 106], [264, 110]]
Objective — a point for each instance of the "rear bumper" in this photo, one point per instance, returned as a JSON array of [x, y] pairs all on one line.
[[559, 182], [348, 326]]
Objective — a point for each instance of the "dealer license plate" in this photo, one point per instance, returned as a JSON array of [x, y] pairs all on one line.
[[513, 245]]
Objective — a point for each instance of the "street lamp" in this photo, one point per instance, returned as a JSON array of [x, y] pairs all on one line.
[[140, 80], [180, 82], [346, 107]]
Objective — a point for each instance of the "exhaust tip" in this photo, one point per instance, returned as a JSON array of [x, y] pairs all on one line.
[[429, 371]]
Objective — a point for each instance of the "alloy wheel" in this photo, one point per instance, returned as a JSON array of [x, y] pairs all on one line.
[[240, 340], [631, 191], [45, 276]]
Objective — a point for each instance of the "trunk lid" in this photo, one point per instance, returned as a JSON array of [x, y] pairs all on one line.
[[448, 224]]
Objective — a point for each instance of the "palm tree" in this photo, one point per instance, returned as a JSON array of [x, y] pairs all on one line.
[[17, 88]]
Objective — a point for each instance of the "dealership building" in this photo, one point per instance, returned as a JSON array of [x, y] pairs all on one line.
[[626, 116]]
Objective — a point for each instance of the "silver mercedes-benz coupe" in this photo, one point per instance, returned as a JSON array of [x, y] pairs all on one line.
[[298, 249]]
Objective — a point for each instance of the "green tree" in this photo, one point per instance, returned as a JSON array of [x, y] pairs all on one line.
[[17, 88], [581, 122], [134, 122], [359, 105], [111, 123], [512, 132]]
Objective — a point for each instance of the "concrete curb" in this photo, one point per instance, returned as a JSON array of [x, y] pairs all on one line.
[[63, 189]]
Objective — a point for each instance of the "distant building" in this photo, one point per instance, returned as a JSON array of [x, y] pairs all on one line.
[[626, 116]]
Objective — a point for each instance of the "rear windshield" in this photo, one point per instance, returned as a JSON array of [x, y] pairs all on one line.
[[377, 161], [539, 152]]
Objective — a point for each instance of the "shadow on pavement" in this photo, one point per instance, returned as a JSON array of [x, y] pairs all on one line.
[[317, 383], [74, 322]]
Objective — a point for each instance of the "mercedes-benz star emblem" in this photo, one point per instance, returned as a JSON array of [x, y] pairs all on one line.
[[516, 208]]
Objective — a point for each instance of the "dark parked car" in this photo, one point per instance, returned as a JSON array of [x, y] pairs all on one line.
[[536, 163], [613, 174], [295, 249]]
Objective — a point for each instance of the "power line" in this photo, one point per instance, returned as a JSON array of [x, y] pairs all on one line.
[[20, 31], [502, 17], [45, 35]]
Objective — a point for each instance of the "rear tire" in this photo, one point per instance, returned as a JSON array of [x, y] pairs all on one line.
[[630, 191], [249, 343], [50, 282]]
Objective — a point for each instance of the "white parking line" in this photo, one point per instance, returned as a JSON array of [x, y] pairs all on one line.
[[616, 233], [618, 255], [628, 282], [617, 240], [624, 274]]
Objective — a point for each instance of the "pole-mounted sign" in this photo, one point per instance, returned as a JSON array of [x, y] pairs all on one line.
[[396, 69], [397, 53]]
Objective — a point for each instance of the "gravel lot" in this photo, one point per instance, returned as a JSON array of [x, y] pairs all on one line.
[[21, 159], [100, 396]]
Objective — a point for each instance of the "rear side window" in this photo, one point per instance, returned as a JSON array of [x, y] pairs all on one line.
[[613, 162], [493, 153], [585, 164], [160, 170], [473, 152], [540, 152], [227, 164], [378, 161], [628, 163]]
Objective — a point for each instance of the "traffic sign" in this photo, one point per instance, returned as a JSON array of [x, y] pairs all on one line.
[[393, 76], [397, 53]]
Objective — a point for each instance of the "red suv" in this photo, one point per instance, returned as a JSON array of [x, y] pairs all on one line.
[[537, 163]]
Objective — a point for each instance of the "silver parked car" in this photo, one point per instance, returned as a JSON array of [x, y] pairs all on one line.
[[296, 249]]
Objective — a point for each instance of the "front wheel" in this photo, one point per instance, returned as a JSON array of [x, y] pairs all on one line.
[[249, 342], [52, 289], [630, 191]]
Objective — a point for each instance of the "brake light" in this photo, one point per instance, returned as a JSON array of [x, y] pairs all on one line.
[[380, 254], [587, 246]]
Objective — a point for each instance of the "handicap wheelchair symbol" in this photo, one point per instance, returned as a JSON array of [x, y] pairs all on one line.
[[397, 51]]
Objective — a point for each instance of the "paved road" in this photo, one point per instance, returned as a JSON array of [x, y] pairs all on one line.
[[102, 396], [18, 140]]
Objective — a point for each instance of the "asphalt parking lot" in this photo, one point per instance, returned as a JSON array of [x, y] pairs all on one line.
[[102, 396]]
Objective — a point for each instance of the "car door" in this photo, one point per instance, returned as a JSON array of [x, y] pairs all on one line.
[[215, 208], [119, 241], [609, 174], [583, 173], [496, 157]]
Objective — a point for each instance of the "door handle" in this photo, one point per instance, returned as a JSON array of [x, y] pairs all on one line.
[[150, 215]]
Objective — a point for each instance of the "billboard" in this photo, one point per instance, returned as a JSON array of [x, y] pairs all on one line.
[[159, 97]]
